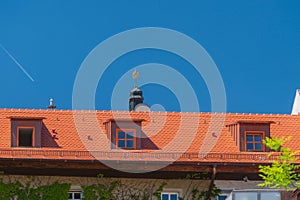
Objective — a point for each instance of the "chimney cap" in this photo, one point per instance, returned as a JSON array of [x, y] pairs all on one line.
[[51, 105]]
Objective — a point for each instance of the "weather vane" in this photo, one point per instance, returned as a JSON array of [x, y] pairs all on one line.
[[135, 76]]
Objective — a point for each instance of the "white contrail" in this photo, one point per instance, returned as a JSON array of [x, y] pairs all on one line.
[[17, 63]]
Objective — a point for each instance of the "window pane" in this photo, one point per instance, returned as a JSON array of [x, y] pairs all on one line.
[[121, 134], [222, 197], [129, 144], [121, 143], [77, 195], [257, 138], [174, 197], [25, 137], [70, 196], [250, 146], [129, 135], [246, 195], [249, 138], [258, 147], [270, 195], [164, 197]]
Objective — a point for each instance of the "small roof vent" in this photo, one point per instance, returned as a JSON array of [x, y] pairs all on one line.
[[51, 105]]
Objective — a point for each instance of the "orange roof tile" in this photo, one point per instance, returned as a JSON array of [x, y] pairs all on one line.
[[179, 136]]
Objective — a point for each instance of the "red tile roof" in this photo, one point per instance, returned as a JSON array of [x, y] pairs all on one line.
[[179, 136]]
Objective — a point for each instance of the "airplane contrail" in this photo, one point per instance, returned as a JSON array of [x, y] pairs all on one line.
[[17, 63]]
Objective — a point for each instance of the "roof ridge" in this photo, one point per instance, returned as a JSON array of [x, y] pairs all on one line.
[[125, 111]]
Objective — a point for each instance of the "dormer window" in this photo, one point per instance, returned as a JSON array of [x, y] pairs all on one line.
[[254, 141], [126, 139], [26, 131], [25, 136], [249, 134], [124, 133]]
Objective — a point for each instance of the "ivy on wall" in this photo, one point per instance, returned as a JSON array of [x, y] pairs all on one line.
[[105, 189], [159, 190], [100, 191], [26, 191], [197, 194]]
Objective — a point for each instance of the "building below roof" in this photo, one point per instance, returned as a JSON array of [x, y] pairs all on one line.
[[202, 148]]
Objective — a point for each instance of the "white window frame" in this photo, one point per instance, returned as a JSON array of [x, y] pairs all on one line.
[[169, 194], [75, 189], [73, 192]]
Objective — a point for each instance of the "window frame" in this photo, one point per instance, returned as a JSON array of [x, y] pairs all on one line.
[[74, 191], [253, 133], [258, 193], [33, 144], [169, 194], [126, 130]]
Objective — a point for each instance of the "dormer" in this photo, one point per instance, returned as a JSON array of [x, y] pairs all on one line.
[[26, 131], [249, 134], [124, 133]]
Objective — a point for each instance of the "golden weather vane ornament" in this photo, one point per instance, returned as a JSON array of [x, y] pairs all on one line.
[[135, 76]]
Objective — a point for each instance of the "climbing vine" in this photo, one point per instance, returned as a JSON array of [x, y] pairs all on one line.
[[100, 191], [159, 190], [201, 195], [26, 191], [104, 189], [197, 194]]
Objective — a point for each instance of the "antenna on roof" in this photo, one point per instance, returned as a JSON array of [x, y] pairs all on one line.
[[51, 106]]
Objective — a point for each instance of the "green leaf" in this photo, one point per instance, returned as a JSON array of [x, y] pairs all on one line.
[[281, 173]]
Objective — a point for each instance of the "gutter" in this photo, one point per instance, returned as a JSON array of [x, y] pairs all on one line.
[[211, 185]]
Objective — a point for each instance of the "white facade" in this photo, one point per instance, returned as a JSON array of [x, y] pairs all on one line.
[[296, 105]]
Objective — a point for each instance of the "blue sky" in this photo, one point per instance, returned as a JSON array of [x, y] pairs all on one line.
[[254, 44]]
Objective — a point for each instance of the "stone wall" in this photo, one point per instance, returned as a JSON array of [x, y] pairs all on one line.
[[127, 189]]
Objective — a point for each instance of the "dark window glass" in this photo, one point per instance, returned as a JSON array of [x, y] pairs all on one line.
[[125, 139], [258, 146], [169, 196], [174, 197], [129, 144], [254, 141], [257, 138], [249, 138], [121, 134], [77, 195], [165, 197], [222, 197], [250, 146], [74, 196], [25, 137], [121, 143], [129, 135]]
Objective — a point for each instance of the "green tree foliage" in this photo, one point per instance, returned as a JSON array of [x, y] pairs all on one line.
[[282, 172]]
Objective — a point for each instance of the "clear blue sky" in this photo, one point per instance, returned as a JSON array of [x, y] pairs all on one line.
[[255, 45]]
